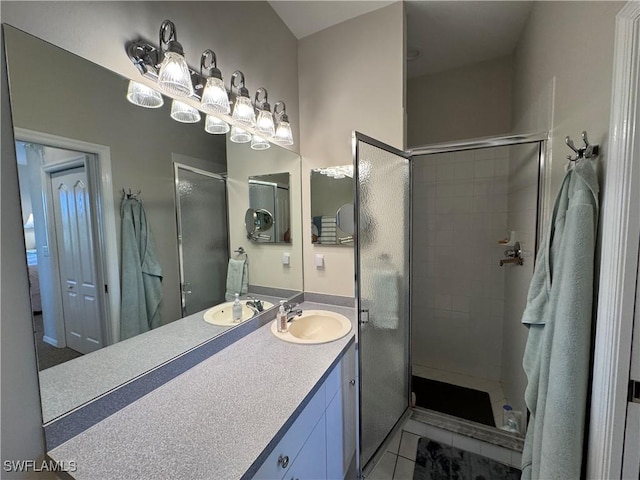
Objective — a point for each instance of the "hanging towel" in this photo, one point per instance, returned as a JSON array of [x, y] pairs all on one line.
[[385, 306], [237, 278], [141, 273], [558, 314]]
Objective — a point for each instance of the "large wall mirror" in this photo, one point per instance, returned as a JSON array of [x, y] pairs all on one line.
[[116, 198], [332, 194]]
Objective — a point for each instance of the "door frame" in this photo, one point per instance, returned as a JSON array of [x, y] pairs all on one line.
[[364, 470], [98, 167], [620, 225], [200, 171]]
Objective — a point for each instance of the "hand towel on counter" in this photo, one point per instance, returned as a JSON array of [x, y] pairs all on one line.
[[559, 316], [237, 278]]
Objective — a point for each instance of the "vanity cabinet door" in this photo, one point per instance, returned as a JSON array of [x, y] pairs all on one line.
[[310, 464], [341, 420]]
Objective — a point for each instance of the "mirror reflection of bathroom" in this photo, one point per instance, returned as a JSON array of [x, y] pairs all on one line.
[[332, 211], [467, 339], [268, 219]]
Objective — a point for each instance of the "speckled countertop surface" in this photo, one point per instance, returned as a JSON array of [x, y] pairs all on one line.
[[73, 383], [214, 420]]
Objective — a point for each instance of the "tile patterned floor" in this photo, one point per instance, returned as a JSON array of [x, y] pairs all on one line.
[[398, 462], [493, 387]]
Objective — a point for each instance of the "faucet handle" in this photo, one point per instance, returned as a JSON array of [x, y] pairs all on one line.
[[289, 306]]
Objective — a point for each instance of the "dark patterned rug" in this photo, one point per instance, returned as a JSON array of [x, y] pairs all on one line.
[[453, 400], [436, 461]]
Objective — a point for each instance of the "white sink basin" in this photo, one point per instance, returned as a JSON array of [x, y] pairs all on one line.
[[222, 314], [313, 327]]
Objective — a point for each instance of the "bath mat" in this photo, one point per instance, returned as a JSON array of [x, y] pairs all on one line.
[[437, 461], [453, 400]]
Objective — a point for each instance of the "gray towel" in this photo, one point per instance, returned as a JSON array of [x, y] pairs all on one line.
[[237, 279], [558, 313]]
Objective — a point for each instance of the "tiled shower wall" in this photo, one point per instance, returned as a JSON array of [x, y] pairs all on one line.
[[460, 205]]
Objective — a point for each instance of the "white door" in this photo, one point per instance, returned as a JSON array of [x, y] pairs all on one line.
[[631, 456], [76, 260]]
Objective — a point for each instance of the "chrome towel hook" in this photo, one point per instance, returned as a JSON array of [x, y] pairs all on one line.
[[588, 151]]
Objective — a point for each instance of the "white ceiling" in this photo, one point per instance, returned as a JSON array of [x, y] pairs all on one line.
[[449, 34]]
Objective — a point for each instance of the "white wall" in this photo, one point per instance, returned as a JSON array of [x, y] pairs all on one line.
[[265, 266], [472, 101], [351, 78]]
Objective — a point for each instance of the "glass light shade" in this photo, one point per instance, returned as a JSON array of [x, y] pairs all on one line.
[[143, 96], [184, 113], [215, 125], [243, 112], [264, 124], [259, 143], [283, 134], [239, 135], [174, 76], [214, 97]]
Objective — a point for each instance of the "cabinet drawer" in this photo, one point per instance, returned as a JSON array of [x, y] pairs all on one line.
[[342, 373], [293, 440]]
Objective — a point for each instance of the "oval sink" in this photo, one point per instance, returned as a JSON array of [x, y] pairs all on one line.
[[314, 326], [222, 314]]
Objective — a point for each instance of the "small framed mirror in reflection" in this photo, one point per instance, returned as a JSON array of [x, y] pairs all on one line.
[[268, 219], [332, 211]]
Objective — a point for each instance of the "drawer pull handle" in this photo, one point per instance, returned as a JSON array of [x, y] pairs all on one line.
[[283, 461], [352, 382]]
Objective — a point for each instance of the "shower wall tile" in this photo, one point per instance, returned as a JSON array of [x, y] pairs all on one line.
[[463, 196]]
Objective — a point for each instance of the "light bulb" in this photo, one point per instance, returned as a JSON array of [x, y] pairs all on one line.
[[264, 124], [243, 112], [214, 97], [239, 135], [215, 125], [283, 133], [184, 113], [143, 96], [259, 143], [174, 76]]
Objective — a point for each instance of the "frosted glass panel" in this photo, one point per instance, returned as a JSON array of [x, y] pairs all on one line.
[[383, 292], [204, 246]]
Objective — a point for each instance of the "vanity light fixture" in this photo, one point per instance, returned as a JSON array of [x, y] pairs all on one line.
[[214, 97], [166, 65], [243, 114], [184, 113], [239, 135], [174, 76], [215, 125], [283, 128], [143, 96]]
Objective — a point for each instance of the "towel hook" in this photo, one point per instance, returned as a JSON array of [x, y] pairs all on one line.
[[588, 151]]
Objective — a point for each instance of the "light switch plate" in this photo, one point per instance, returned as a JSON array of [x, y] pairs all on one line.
[[319, 261], [286, 259]]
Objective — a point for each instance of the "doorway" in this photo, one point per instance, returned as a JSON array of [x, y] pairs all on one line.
[[59, 203]]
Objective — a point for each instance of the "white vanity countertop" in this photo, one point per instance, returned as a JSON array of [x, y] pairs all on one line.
[[66, 386], [214, 420]]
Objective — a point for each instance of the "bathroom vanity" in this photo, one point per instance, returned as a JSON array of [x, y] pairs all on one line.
[[260, 408]]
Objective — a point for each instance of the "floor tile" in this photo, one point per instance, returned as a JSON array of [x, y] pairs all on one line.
[[385, 468], [417, 428], [408, 445], [404, 469], [439, 435], [394, 444], [466, 443]]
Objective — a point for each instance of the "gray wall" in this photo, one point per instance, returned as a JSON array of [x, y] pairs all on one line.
[[466, 102]]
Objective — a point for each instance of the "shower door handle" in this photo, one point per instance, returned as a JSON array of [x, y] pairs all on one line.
[[186, 288], [363, 311]]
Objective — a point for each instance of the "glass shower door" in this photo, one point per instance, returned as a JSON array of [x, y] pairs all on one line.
[[382, 290], [202, 237]]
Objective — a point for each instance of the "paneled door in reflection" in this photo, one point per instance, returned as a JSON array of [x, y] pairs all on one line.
[[201, 199], [382, 290]]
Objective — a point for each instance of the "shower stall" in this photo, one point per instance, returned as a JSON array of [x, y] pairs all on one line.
[[445, 252]]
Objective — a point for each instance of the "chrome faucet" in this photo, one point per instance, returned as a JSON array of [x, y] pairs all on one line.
[[255, 303], [292, 312]]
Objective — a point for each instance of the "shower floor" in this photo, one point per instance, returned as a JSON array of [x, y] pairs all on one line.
[[492, 387]]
